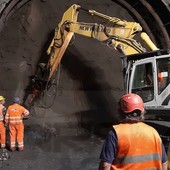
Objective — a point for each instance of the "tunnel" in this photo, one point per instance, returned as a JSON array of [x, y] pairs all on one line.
[[68, 122]]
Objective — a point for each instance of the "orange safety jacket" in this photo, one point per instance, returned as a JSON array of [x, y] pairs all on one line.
[[15, 114], [139, 147]]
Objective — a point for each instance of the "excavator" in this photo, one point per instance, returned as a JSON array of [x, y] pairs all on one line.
[[146, 69]]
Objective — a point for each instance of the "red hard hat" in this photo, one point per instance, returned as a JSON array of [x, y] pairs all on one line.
[[131, 102]]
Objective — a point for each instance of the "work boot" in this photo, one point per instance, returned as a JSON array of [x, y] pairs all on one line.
[[20, 148], [12, 149]]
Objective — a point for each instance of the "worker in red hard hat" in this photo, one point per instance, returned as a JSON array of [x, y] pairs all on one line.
[[132, 144], [14, 118]]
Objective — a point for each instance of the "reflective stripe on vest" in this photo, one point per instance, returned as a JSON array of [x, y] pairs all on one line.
[[138, 158], [15, 114]]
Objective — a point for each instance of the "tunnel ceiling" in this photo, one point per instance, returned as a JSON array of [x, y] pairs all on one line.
[[154, 17]]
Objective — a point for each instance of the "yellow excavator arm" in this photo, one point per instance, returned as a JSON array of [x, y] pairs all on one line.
[[117, 33]]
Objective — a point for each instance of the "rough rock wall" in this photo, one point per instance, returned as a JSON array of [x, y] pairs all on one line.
[[90, 80], [86, 84]]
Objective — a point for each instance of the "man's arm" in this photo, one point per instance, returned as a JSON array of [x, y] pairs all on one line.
[[104, 166], [109, 151], [165, 165], [26, 113], [6, 117]]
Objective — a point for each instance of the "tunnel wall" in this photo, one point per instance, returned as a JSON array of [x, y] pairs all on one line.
[[90, 80]]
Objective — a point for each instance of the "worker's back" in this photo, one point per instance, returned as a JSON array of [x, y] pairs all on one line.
[[139, 147]]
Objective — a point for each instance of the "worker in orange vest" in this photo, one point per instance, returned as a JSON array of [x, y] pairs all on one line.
[[2, 125], [4, 155], [14, 118], [132, 144]]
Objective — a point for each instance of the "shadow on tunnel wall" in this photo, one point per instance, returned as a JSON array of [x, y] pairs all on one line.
[[102, 111], [103, 106]]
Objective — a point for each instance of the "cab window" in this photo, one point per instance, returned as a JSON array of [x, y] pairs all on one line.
[[143, 82], [163, 75]]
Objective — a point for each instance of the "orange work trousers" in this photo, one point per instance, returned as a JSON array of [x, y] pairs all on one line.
[[16, 135], [2, 135]]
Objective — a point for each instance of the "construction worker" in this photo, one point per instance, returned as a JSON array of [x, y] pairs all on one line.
[[14, 118], [132, 144], [2, 125], [4, 155]]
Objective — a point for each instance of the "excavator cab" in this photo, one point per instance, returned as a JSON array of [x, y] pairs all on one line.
[[148, 75]]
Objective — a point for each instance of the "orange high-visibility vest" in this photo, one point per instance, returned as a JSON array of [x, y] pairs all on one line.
[[139, 147], [15, 114]]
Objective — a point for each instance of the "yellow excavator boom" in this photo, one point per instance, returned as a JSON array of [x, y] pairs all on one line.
[[117, 33]]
